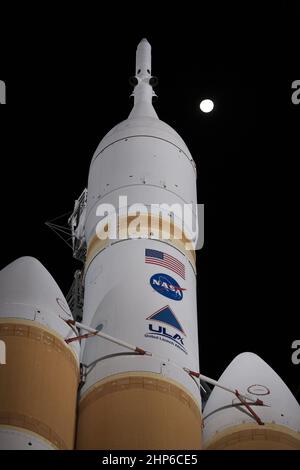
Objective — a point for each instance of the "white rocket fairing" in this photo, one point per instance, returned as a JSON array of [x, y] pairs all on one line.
[[39, 381], [140, 290], [229, 424]]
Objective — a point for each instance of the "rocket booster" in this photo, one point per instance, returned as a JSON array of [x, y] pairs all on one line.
[[39, 381], [272, 423]]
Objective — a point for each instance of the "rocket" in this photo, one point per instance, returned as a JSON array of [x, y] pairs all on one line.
[[39, 381], [142, 289], [126, 375], [271, 422]]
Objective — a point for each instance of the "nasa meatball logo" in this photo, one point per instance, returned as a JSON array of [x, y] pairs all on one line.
[[167, 286]]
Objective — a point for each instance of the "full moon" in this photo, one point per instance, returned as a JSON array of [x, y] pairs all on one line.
[[207, 106]]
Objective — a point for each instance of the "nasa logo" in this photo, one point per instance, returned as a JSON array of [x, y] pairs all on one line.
[[161, 330], [167, 286]]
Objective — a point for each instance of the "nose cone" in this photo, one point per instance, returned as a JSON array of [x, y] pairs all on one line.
[[26, 282], [253, 377]]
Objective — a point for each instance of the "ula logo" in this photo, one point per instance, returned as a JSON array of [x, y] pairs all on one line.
[[167, 286], [163, 333], [162, 330], [296, 94], [296, 354], [2, 92], [2, 352]]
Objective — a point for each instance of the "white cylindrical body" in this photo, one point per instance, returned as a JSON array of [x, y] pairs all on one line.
[[38, 382], [142, 291], [229, 425], [124, 303]]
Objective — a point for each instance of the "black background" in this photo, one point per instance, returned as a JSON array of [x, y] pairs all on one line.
[[67, 85]]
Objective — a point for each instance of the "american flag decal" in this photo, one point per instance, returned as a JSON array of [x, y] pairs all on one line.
[[167, 261]]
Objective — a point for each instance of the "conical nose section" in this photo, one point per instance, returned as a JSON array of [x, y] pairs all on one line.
[[251, 374], [254, 378], [27, 282]]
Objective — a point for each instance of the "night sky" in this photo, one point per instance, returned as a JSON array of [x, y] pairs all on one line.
[[67, 86]]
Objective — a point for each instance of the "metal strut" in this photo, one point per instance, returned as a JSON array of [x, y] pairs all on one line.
[[258, 402], [92, 332], [78, 338], [215, 383]]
